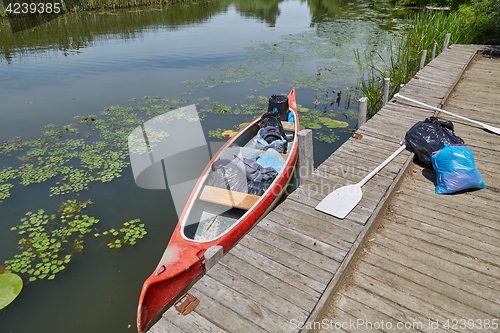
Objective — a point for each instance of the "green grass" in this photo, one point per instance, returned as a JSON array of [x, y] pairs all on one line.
[[470, 21], [404, 60]]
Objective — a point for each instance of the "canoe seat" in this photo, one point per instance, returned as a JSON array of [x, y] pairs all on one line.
[[288, 126], [228, 198]]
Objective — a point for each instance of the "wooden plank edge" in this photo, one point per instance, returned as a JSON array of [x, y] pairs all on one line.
[[356, 248]]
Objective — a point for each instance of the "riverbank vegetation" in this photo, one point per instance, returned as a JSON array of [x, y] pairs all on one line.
[[468, 21]]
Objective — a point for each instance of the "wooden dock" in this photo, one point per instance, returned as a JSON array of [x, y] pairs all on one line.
[[433, 262], [416, 255]]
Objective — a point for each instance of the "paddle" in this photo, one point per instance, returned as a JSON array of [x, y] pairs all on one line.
[[495, 130], [341, 201]]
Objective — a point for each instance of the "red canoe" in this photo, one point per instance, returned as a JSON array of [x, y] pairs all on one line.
[[212, 217]]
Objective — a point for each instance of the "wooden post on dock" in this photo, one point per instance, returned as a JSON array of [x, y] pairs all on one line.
[[433, 53], [385, 90], [362, 108], [422, 59], [212, 256], [446, 42], [306, 158]]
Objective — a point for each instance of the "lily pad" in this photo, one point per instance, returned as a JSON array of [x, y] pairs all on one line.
[[311, 125], [332, 123], [10, 286]]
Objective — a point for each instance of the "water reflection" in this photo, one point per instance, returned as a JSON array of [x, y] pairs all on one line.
[[21, 36], [72, 31]]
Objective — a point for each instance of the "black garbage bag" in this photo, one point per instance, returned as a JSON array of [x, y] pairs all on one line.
[[430, 135], [280, 102], [259, 177], [227, 175]]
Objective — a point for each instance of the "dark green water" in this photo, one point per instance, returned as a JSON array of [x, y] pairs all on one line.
[[217, 54]]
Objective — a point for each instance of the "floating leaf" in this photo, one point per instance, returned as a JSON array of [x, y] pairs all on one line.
[[228, 133], [327, 138], [311, 125], [332, 123]]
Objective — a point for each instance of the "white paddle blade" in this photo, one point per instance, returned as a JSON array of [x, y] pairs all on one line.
[[495, 130], [340, 202]]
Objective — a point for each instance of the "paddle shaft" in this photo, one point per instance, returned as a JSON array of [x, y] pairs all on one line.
[[441, 110], [383, 164]]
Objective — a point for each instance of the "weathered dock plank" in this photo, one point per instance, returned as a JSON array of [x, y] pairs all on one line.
[[278, 270], [287, 259], [434, 284], [362, 311], [194, 323], [406, 301], [445, 303], [299, 297], [216, 305], [312, 243], [234, 280], [394, 311], [300, 251], [457, 218], [422, 263], [324, 243]]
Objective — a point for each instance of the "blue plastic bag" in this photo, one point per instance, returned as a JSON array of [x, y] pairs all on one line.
[[271, 158], [455, 169]]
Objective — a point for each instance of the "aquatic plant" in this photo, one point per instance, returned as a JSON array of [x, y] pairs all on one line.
[[6, 175], [129, 234], [5, 191], [217, 133], [316, 119], [50, 241], [332, 123], [61, 153], [153, 106], [10, 287], [328, 138]]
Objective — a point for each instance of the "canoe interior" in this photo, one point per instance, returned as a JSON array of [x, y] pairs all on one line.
[[207, 220]]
